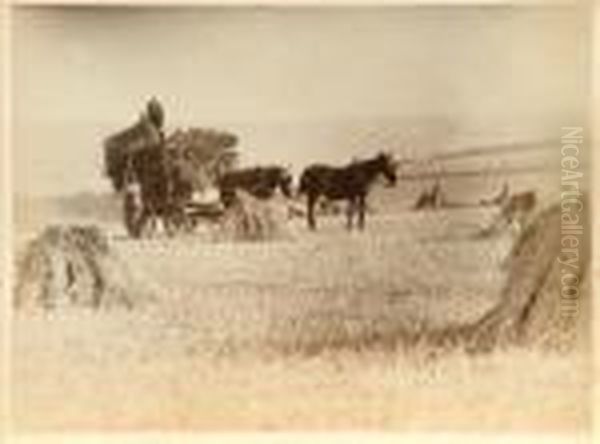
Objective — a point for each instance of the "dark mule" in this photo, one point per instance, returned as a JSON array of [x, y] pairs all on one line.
[[260, 182], [350, 183]]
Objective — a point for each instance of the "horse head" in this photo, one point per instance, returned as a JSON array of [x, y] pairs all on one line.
[[387, 166]]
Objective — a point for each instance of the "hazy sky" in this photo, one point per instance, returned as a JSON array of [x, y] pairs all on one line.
[[296, 84]]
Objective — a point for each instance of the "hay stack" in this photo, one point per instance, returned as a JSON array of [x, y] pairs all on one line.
[[532, 310], [71, 266], [252, 219]]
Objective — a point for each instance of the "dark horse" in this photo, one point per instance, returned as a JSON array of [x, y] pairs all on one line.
[[350, 183], [261, 182]]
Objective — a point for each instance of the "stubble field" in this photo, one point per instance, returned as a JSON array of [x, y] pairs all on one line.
[[297, 333]]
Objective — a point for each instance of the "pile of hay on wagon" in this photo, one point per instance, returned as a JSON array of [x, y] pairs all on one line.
[[160, 185]]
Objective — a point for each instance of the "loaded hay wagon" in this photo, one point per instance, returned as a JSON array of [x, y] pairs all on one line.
[[160, 178]]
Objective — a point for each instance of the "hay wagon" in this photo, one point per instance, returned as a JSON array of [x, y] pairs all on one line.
[[158, 177]]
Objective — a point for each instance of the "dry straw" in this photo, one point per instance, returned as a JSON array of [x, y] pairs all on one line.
[[73, 266]]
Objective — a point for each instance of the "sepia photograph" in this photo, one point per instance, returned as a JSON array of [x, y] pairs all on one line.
[[304, 218]]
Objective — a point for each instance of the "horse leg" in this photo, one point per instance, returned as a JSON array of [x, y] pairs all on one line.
[[310, 211], [361, 212], [350, 213]]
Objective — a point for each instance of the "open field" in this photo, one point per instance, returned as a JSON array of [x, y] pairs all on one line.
[[292, 334]]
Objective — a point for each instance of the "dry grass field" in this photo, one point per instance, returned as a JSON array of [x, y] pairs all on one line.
[[293, 334]]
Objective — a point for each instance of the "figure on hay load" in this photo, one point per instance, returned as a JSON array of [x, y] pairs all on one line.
[[135, 161], [156, 113]]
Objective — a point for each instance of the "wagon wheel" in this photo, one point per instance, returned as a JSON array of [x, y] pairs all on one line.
[[132, 212]]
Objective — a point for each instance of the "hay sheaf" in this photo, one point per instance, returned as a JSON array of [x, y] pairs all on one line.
[[72, 266], [251, 219], [536, 308]]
